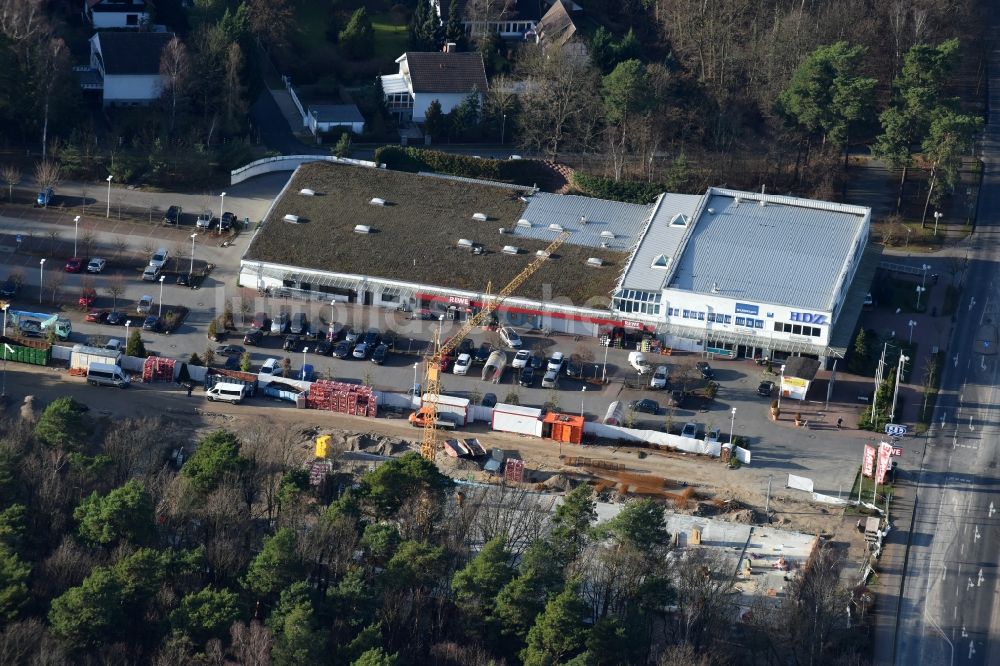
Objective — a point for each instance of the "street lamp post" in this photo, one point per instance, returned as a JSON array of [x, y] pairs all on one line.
[[108, 214], [781, 383], [191, 272], [503, 126], [583, 397], [160, 313], [5, 306], [732, 427], [923, 280], [128, 322], [41, 279], [76, 232], [920, 290], [303, 374], [937, 218], [911, 324], [604, 374], [222, 206], [908, 230], [895, 392], [414, 386]]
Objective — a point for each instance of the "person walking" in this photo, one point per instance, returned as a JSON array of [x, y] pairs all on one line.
[[190, 387], [840, 422]]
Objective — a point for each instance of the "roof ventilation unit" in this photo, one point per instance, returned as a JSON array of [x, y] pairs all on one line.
[[306, 192], [661, 261], [595, 262], [604, 245], [291, 219], [480, 217], [523, 224], [583, 219], [464, 244], [711, 211], [608, 234], [510, 249], [715, 287], [678, 220], [762, 202], [736, 202], [544, 254], [555, 227], [501, 231], [377, 201], [362, 229]]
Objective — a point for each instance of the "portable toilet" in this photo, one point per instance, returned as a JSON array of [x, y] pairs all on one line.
[[323, 446]]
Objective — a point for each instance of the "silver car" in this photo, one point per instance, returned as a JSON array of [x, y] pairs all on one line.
[[551, 379]]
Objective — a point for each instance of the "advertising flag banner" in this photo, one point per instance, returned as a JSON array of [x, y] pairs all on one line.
[[884, 456], [867, 466]]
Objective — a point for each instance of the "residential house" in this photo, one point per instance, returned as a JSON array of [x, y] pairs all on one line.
[[511, 19], [103, 14], [447, 77], [125, 66], [557, 30], [324, 118]]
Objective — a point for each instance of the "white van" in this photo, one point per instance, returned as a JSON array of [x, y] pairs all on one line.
[[271, 367], [106, 374], [226, 392]]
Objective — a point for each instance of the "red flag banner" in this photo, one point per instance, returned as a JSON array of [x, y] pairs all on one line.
[[867, 467], [884, 456]]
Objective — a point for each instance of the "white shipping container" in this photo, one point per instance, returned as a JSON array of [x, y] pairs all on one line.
[[83, 356], [515, 418], [457, 408]]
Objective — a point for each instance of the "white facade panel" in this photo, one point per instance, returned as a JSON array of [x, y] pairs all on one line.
[[104, 20], [448, 102], [139, 89]]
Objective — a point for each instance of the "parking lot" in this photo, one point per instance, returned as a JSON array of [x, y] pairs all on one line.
[[824, 453]]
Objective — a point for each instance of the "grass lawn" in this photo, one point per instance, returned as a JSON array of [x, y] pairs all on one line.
[[390, 36]]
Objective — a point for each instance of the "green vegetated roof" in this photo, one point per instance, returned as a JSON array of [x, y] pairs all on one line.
[[415, 234]]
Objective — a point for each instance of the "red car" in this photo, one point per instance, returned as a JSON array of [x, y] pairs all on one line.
[[87, 298], [97, 316], [74, 265]]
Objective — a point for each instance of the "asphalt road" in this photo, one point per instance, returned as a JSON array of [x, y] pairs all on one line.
[[949, 612]]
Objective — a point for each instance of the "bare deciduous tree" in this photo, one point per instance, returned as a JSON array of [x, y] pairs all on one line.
[[11, 177], [115, 288], [251, 644], [55, 283], [48, 174], [175, 67]]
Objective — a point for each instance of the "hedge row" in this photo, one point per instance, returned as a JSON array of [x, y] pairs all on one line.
[[632, 191], [520, 172]]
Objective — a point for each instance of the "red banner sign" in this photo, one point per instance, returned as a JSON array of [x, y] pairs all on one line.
[[884, 456], [867, 467]]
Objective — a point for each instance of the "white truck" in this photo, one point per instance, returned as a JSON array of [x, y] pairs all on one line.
[[638, 361], [35, 323], [450, 408], [494, 367]]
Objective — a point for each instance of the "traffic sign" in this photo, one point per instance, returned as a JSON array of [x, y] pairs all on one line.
[[19, 239], [897, 451], [894, 430]]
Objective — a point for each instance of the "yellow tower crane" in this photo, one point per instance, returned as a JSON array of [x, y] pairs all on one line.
[[432, 364]]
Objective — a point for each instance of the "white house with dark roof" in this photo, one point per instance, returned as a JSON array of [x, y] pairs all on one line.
[[325, 118], [103, 14], [511, 19], [423, 77], [125, 66]]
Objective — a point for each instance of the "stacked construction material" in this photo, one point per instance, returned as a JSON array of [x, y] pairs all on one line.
[[351, 399], [158, 369], [221, 375]]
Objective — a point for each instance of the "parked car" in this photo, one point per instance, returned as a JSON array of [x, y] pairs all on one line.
[[260, 321], [510, 337], [97, 316], [229, 350], [173, 215], [44, 197], [705, 369], [226, 221], [151, 323], [713, 435], [639, 363], [323, 348], [151, 273], [520, 359], [96, 265], [659, 378], [291, 343], [352, 335], [360, 350], [556, 362], [253, 337], [145, 305], [184, 280], [677, 398], [489, 400], [574, 369], [74, 265], [299, 325], [160, 258], [551, 379], [482, 354], [279, 324], [204, 220], [765, 389], [88, 296], [342, 349], [380, 354], [116, 318], [9, 288], [690, 431], [307, 373], [462, 364], [646, 406], [526, 377], [466, 346], [536, 362], [372, 337], [114, 344]]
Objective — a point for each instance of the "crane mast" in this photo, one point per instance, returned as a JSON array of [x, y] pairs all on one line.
[[432, 364]]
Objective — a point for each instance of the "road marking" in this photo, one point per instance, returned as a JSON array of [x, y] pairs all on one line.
[[976, 538], [965, 634], [972, 649], [970, 585], [983, 363], [954, 614], [979, 583], [972, 303], [956, 360], [992, 510], [963, 549], [970, 424]]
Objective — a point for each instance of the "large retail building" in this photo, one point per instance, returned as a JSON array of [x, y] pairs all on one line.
[[724, 272]]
